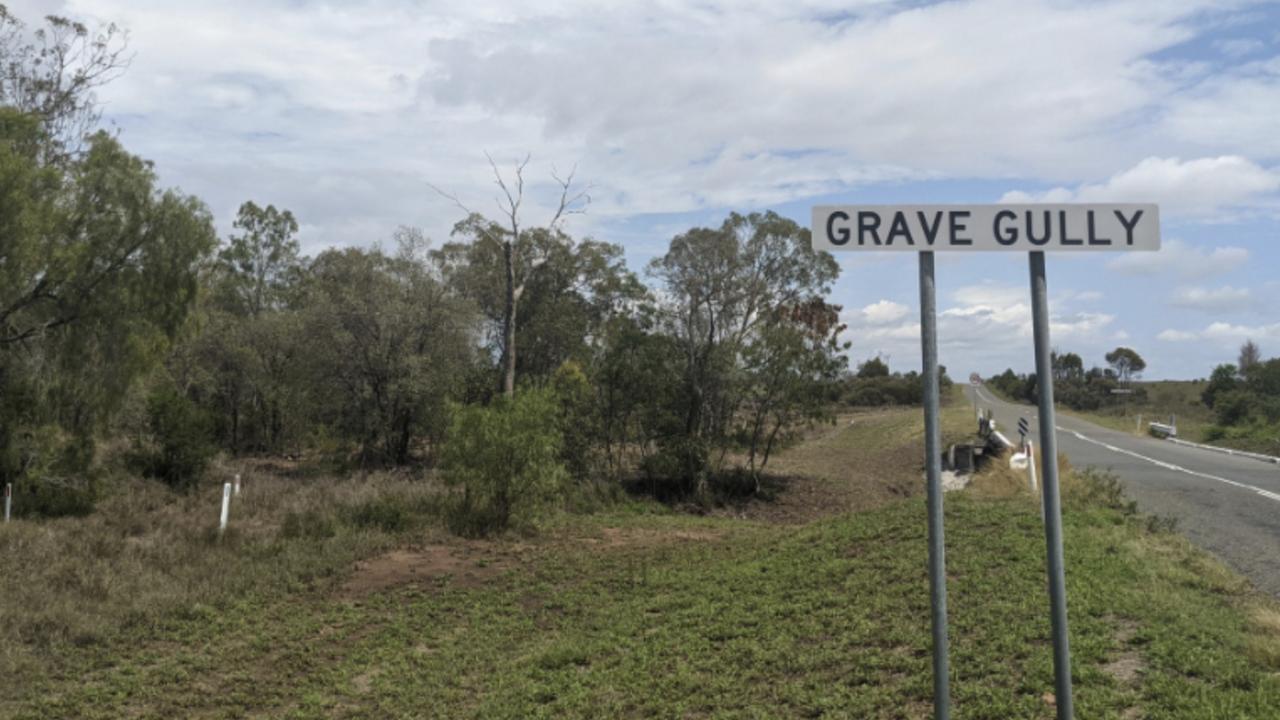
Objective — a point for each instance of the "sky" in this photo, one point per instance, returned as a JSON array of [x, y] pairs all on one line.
[[676, 113]]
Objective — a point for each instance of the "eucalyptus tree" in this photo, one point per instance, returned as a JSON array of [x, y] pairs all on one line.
[[98, 270], [514, 247], [52, 72], [391, 344], [723, 286]]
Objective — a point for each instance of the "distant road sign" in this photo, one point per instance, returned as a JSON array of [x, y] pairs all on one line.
[[1068, 227]]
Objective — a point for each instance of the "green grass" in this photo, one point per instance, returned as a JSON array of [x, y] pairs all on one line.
[[643, 612]]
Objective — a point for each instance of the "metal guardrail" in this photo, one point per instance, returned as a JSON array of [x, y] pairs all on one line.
[[1228, 451], [1162, 430]]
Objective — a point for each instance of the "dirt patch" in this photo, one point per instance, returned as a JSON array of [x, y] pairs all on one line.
[[1127, 666], [431, 566]]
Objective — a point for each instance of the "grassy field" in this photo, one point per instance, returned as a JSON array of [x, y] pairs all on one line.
[[635, 611], [1165, 399]]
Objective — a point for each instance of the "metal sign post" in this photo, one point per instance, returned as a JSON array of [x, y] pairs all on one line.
[[1051, 504], [1030, 228], [933, 485]]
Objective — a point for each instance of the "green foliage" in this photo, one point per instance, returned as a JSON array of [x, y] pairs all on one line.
[[873, 368], [889, 389], [506, 459], [180, 439], [387, 513], [727, 291], [1225, 379], [1233, 407], [1127, 363], [576, 420], [97, 275], [390, 341]]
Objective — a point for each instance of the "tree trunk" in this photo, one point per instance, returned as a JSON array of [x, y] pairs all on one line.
[[509, 325]]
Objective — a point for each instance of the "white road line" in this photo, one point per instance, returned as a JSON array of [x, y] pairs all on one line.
[[1177, 468]]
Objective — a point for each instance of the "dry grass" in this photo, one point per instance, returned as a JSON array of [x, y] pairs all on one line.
[[147, 555]]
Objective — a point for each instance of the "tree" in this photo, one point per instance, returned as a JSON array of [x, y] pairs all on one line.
[[873, 368], [519, 256], [565, 303], [794, 357], [723, 284], [1250, 356], [1127, 363], [258, 265], [98, 271], [1222, 381], [51, 73], [389, 342], [1067, 367]]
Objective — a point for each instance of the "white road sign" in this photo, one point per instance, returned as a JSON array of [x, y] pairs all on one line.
[[1053, 228]]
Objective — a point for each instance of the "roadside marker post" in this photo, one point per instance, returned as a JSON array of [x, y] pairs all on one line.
[[8, 500], [1033, 229], [226, 508], [237, 486]]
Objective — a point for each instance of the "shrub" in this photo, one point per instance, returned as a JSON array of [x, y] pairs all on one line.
[[51, 473], [387, 513], [575, 419], [1233, 407], [506, 459], [181, 439]]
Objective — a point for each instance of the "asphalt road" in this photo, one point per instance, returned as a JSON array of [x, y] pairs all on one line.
[[1227, 505]]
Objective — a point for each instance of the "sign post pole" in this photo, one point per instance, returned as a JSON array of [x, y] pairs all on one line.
[[933, 475], [1033, 228], [1049, 487]]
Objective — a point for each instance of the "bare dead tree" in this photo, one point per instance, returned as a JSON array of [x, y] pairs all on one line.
[[571, 201]]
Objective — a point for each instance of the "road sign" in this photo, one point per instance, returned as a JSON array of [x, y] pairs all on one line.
[[1023, 427], [1033, 229], [1071, 227]]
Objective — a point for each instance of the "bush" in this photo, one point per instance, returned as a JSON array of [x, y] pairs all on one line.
[[1233, 407], [387, 513], [181, 439], [51, 473], [506, 459], [575, 419]]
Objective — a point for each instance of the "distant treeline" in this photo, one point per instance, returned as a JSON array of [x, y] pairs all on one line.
[[873, 385], [1077, 388]]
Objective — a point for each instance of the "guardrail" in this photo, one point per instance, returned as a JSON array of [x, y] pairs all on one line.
[[1161, 430], [1228, 451]]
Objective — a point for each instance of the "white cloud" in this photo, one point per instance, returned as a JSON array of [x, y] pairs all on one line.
[[1177, 336], [1213, 300], [1182, 259], [1235, 108], [985, 323], [1223, 334], [884, 312], [1230, 333], [1205, 186], [667, 107], [1239, 47]]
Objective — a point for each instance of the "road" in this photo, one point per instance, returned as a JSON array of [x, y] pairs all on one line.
[[1227, 505]]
